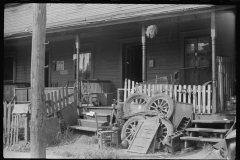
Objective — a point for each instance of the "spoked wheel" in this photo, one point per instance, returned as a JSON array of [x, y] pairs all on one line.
[[129, 128], [165, 130], [135, 103], [161, 103]]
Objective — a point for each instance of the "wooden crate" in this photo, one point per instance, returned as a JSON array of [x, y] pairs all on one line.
[[106, 99]]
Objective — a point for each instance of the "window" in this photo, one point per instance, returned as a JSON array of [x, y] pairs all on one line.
[[9, 68], [84, 65]]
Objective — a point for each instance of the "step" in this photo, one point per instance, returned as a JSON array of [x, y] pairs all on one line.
[[91, 123], [201, 139], [206, 130], [83, 128], [212, 121]]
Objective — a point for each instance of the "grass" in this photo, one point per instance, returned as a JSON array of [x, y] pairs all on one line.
[[89, 140], [101, 154], [22, 146]]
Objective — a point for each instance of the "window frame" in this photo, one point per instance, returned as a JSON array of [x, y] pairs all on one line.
[[14, 68]]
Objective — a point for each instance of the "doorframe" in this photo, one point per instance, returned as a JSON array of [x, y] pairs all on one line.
[[122, 42], [49, 50], [188, 34]]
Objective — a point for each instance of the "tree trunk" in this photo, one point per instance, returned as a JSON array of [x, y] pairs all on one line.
[[37, 130]]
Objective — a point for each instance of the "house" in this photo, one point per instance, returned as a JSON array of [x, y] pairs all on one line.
[[114, 46]]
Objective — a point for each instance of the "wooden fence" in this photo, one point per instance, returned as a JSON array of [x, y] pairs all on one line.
[[55, 99], [198, 95]]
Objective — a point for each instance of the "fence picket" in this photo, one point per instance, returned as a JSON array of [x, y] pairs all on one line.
[[171, 91], [145, 89], [11, 138], [67, 94], [189, 91], [125, 90], [180, 94], [53, 105], [175, 92], [18, 117], [5, 120], [59, 99], [133, 84], [199, 98], [129, 87], [63, 97], [184, 93], [56, 101], [209, 99], [161, 88], [204, 98], [194, 98], [149, 90], [49, 103]]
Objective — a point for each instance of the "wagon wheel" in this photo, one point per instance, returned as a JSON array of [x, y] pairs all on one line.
[[161, 103], [129, 128], [138, 99], [165, 130]]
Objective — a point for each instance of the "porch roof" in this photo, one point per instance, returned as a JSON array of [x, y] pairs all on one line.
[[18, 18]]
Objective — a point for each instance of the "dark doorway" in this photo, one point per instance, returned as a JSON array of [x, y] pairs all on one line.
[[46, 71], [132, 62]]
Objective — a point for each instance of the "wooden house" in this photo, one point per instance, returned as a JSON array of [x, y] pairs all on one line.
[[196, 40]]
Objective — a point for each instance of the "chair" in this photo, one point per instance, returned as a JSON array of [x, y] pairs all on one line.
[[105, 135]]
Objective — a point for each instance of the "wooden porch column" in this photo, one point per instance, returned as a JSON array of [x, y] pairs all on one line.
[[213, 36], [77, 78], [38, 108], [143, 54]]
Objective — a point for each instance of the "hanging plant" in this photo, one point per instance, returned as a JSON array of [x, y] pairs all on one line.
[[151, 31]]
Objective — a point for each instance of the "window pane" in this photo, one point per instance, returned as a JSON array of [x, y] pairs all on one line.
[[203, 44], [8, 68], [190, 46]]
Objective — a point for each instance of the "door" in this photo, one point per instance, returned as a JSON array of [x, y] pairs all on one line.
[[133, 63], [197, 60]]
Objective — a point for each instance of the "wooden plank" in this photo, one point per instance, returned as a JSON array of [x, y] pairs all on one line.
[[209, 99], [5, 120], [125, 90], [179, 93], [212, 121], [18, 117], [199, 98], [63, 97], [67, 95], [129, 87], [56, 101], [59, 99], [206, 130], [9, 107], [189, 91], [146, 125], [149, 90], [194, 98], [184, 93], [204, 99], [202, 139]]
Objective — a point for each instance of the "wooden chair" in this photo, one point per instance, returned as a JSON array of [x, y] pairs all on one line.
[[105, 135]]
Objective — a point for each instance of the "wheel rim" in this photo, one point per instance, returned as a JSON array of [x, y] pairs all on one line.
[[135, 103], [161, 105], [165, 130], [130, 127]]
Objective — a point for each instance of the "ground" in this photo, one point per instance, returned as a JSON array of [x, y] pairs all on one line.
[[84, 145]]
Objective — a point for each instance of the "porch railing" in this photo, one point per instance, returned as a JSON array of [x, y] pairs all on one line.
[[198, 95]]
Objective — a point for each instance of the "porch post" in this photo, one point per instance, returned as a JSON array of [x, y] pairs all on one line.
[[213, 35], [143, 54], [77, 78]]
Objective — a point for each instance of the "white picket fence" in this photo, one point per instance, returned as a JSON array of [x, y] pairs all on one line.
[[198, 95]]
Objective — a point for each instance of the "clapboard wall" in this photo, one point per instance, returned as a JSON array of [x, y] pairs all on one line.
[[164, 49]]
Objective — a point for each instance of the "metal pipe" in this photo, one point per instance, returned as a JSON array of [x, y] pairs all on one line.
[[213, 34], [77, 41], [143, 54]]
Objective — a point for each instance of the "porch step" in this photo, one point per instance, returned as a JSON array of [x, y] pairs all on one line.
[[91, 123], [83, 128], [201, 139], [207, 130], [212, 121]]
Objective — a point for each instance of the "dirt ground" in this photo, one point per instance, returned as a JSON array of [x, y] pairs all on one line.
[[84, 146]]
